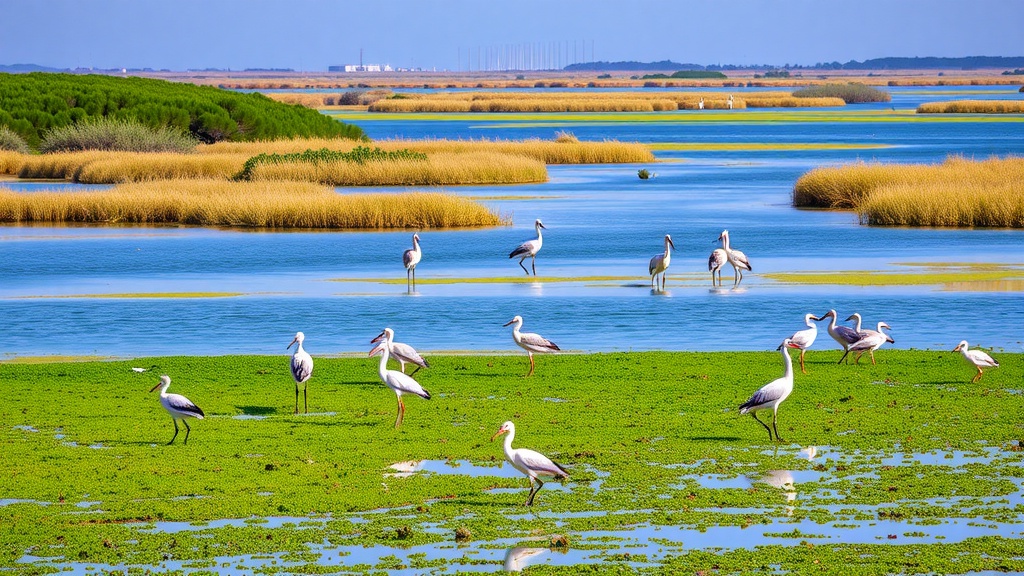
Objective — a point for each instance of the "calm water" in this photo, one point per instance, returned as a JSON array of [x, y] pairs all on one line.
[[602, 221]]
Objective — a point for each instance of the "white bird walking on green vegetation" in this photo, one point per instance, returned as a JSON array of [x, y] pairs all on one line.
[[870, 340], [399, 382], [410, 258], [178, 407], [302, 369], [738, 259], [534, 464], [659, 264], [530, 342], [843, 335], [769, 396], [977, 358], [529, 249], [402, 353], [802, 339]]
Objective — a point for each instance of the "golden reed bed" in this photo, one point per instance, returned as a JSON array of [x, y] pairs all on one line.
[[263, 204], [973, 107], [957, 192]]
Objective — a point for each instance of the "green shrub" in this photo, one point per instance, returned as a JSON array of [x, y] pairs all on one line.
[[851, 93], [11, 140], [119, 135], [358, 155]]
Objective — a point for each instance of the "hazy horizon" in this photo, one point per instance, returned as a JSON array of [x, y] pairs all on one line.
[[311, 35]]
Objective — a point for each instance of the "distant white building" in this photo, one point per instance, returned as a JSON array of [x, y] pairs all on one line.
[[361, 68]]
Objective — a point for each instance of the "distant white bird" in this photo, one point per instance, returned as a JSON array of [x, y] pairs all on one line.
[[730, 102], [178, 407], [410, 258], [399, 382], [738, 259], [534, 464], [772, 394], [700, 104], [302, 369], [977, 358], [803, 339], [529, 249], [717, 259], [401, 352], [659, 264], [870, 341], [530, 342], [843, 335]]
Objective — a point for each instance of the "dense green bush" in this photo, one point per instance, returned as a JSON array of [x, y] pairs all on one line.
[[359, 155], [10, 140], [32, 104], [851, 93], [122, 135]]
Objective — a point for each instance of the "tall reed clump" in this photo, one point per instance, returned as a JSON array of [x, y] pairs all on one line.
[[120, 135], [851, 93], [973, 107], [12, 141], [261, 204], [844, 187], [100, 167], [10, 162]]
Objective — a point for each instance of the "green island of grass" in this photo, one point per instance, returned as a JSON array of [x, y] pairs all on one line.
[[652, 441]]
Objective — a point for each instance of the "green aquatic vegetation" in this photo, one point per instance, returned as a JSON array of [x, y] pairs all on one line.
[[963, 278], [636, 430]]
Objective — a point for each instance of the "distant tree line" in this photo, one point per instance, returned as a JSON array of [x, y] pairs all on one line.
[[33, 104], [889, 63]]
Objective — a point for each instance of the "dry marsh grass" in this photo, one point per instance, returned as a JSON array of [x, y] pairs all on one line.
[[10, 162], [973, 107], [246, 204]]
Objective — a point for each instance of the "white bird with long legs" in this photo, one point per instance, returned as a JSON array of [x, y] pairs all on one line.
[[530, 342], [769, 396], [533, 464], [399, 382], [529, 249], [716, 261], [738, 259], [870, 341], [659, 264], [803, 339], [843, 335], [410, 258], [976, 358], [402, 353], [179, 407], [302, 369]]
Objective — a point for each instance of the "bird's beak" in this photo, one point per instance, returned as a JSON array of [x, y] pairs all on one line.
[[780, 346], [294, 340], [851, 317], [376, 349], [671, 243], [817, 318], [543, 226], [159, 384], [498, 433], [508, 323], [379, 337]]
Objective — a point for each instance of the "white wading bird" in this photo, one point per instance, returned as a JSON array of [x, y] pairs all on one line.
[[302, 369], [534, 464], [410, 258], [870, 341], [403, 353], [399, 382], [659, 264], [529, 249], [977, 358], [772, 394], [717, 259], [738, 259], [530, 342], [803, 339], [843, 335], [178, 407]]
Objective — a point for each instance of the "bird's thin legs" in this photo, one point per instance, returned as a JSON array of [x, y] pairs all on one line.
[[533, 264], [175, 421], [305, 400], [401, 412], [187, 429], [533, 491], [523, 267], [296, 398], [977, 376], [775, 425], [530, 373], [754, 414], [413, 277], [413, 373], [802, 369], [408, 286]]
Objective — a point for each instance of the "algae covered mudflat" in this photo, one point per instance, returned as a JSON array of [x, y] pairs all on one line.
[[899, 460]]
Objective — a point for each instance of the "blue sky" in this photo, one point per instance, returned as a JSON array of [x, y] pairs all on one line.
[[314, 34]]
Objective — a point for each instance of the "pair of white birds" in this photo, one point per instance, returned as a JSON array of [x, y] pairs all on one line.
[[851, 339], [659, 263]]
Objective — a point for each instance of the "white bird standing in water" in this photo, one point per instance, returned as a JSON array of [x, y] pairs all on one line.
[[717, 259], [843, 335], [530, 342], [178, 407], [403, 353], [738, 259], [302, 369], [410, 258], [803, 339], [529, 249], [772, 394], [977, 358], [534, 464], [399, 382], [870, 341], [659, 264]]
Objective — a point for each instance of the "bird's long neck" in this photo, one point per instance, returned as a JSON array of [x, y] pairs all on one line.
[[789, 364], [832, 324], [857, 318], [540, 237], [809, 323], [508, 444], [163, 389], [416, 245], [384, 361], [299, 350], [725, 242], [668, 250]]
